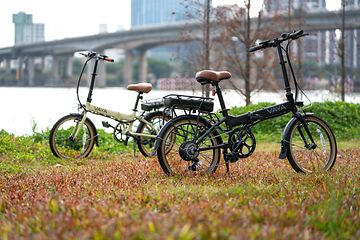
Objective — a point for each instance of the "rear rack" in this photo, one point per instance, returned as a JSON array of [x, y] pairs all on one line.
[[152, 104], [189, 103]]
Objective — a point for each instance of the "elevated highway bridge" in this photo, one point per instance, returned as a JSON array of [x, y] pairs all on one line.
[[140, 39]]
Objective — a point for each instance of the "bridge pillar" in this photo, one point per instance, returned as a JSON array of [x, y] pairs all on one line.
[[55, 70], [42, 65], [69, 69], [143, 66], [7, 67], [20, 69], [128, 67], [31, 71]]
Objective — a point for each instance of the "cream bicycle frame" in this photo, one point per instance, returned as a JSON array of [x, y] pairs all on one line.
[[127, 119]]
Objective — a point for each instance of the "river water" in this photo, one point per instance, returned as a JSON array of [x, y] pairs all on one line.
[[24, 110]]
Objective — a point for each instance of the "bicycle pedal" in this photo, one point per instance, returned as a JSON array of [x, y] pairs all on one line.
[[105, 124], [231, 158]]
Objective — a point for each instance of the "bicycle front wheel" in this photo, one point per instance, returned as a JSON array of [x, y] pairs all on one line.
[[179, 153], [306, 156], [157, 120], [71, 139]]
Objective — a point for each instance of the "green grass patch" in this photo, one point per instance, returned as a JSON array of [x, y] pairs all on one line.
[[115, 195], [31, 152]]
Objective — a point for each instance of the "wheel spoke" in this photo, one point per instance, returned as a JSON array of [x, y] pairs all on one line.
[[308, 156], [70, 140], [185, 155], [146, 144]]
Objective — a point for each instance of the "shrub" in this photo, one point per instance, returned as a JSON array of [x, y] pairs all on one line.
[[343, 118]]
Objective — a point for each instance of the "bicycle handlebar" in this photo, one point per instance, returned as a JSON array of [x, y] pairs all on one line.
[[92, 54], [276, 41]]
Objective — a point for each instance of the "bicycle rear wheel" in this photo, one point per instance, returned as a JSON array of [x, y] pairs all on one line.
[[157, 120], [178, 153], [62, 142], [305, 157]]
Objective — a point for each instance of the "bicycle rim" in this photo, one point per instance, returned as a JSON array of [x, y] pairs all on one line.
[[180, 136], [146, 144], [64, 146], [307, 159]]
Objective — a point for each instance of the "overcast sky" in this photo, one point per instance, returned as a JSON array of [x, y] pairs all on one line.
[[72, 18]]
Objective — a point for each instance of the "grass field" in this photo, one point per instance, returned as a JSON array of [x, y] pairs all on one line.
[[127, 197], [116, 195]]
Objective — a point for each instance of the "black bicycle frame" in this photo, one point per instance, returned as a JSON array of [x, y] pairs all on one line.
[[251, 118], [92, 82]]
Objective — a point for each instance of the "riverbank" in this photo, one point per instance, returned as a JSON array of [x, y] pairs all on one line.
[[25, 110]]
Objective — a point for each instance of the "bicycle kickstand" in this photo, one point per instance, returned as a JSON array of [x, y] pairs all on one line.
[[227, 167], [134, 146], [227, 161]]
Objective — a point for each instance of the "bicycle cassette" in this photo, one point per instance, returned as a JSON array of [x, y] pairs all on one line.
[[242, 142]]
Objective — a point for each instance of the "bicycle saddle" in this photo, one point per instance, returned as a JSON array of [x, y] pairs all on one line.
[[208, 76], [140, 87]]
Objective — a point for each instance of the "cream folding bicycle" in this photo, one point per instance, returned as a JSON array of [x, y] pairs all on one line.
[[74, 135]]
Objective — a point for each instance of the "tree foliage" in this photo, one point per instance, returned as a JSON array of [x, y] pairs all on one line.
[[238, 35]]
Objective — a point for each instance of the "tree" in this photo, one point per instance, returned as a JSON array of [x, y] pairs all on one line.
[[199, 51], [238, 36]]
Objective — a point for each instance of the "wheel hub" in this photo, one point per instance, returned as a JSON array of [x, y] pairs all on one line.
[[189, 151]]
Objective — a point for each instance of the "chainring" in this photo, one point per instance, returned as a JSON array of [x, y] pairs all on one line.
[[118, 131], [242, 141]]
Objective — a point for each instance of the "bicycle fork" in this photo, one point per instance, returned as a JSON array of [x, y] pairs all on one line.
[[305, 135], [78, 126]]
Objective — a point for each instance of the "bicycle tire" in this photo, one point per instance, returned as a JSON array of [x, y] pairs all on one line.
[[63, 147], [158, 119], [305, 159], [182, 130]]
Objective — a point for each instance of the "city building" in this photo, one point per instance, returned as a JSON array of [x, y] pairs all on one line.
[[352, 40], [318, 47], [352, 51], [154, 12], [26, 31], [145, 13], [323, 47], [281, 6]]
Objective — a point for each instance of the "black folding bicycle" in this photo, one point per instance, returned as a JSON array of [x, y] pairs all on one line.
[[192, 142]]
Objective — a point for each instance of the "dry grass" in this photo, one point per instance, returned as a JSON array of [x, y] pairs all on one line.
[[130, 198]]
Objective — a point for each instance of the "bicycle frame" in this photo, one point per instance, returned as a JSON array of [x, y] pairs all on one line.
[[250, 119], [196, 141], [127, 119], [120, 117]]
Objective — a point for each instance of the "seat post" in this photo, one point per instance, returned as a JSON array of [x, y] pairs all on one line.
[[221, 99], [139, 96]]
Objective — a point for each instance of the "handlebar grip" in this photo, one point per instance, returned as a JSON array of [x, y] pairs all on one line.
[[296, 34], [107, 59], [255, 48]]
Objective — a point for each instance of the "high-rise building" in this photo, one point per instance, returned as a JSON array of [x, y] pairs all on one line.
[[26, 31], [280, 6], [352, 40], [151, 12], [319, 46], [156, 12], [352, 51]]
